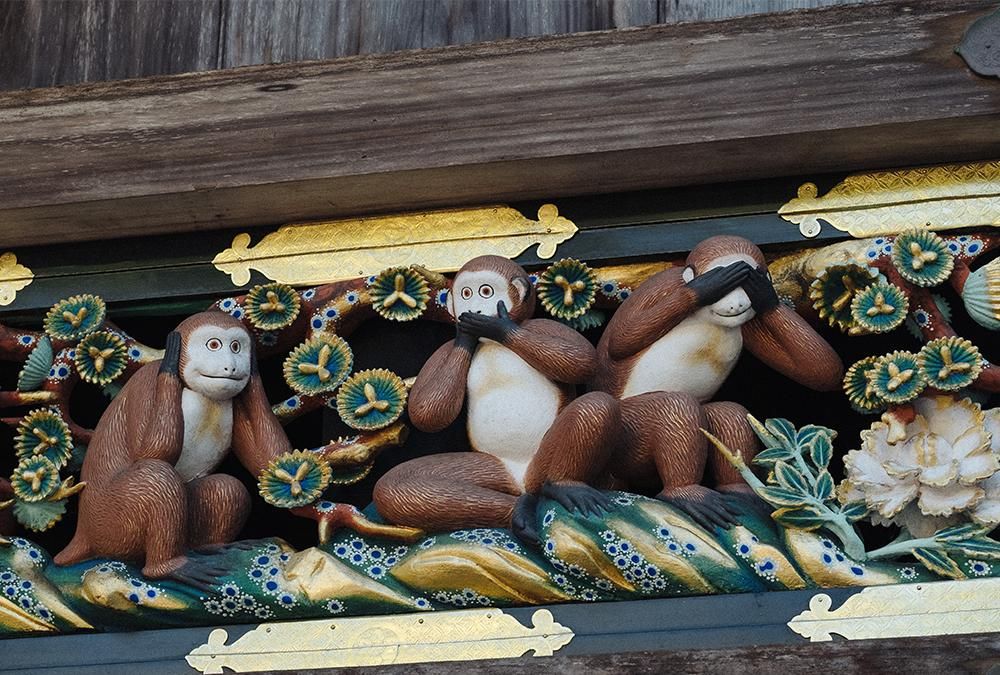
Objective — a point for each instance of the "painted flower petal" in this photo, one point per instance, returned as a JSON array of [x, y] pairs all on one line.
[[947, 417], [890, 499], [863, 467], [939, 475], [987, 512], [944, 501]]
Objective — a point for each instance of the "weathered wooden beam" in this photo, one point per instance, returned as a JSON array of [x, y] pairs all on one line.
[[851, 87]]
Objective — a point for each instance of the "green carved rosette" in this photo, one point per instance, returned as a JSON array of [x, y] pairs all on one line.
[[859, 389], [399, 294], [950, 363], [371, 399], [833, 290], [75, 317], [567, 289], [318, 365], [879, 308], [36, 366], [101, 358], [897, 377], [44, 433], [35, 479], [41, 515], [294, 479], [272, 306], [922, 258]]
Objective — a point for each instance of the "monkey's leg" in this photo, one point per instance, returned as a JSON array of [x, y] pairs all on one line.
[[218, 508], [663, 429], [140, 514], [575, 452], [728, 422], [449, 491]]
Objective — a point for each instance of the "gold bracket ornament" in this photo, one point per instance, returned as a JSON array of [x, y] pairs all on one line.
[[463, 635], [441, 241], [889, 202], [13, 277], [905, 610]]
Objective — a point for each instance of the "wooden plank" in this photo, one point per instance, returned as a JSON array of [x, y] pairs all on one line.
[[845, 88], [673, 11], [55, 42]]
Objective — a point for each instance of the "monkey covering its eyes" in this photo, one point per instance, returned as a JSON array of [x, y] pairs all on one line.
[[518, 376], [151, 494]]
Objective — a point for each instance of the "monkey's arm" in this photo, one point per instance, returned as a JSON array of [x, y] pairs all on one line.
[[439, 392], [160, 431], [659, 304], [553, 349], [257, 435], [783, 340]]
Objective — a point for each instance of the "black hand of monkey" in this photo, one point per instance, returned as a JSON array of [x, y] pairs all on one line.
[[760, 290], [717, 282], [497, 328], [464, 339], [172, 355]]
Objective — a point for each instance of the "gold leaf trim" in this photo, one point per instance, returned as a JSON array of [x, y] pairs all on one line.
[[441, 241], [13, 278], [906, 610], [463, 635], [889, 202]]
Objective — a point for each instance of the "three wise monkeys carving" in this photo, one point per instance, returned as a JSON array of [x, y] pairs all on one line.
[[153, 495]]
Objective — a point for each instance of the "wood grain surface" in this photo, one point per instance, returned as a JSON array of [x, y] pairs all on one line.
[[842, 88]]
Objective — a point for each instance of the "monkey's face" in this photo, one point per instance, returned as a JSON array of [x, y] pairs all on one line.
[[479, 291], [215, 361], [733, 309]]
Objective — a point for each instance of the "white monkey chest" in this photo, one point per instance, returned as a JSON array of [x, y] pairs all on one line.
[[695, 357], [208, 433], [511, 406]]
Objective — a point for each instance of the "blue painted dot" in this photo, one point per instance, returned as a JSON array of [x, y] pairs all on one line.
[[271, 585], [652, 571], [973, 248], [257, 574], [767, 566], [317, 323], [229, 604], [136, 583], [625, 546], [872, 254], [840, 558], [357, 545], [134, 597], [263, 560], [10, 590], [230, 591], [151, 593], [273, 571], [63, 372], [375, 554], [357, 557], [621, 562], [6, 576], [689, 547], [237, 313], [487, 541], [858, 571], [827, 559], [744, 549], [377, 571], [26, 602], [341, 550], [44, 613], [827, 543], [673, 547], [635, 558], [612, 549], [26, 585]]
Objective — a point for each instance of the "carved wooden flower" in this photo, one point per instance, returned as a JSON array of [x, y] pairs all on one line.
[[399, 293], [859, 388], [75, 317], [371, 399], [567, 288], [318, 365], [43, 433], [922, 258], [833, 291], [950, 363], [101, 358], [897, 377], [879, 308], [934, 473], [294, 479], [35, 478], [272, 306]]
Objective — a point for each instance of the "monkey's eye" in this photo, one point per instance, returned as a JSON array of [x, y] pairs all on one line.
[[235, 346], [486, 291], [467, 292], [214, 344]]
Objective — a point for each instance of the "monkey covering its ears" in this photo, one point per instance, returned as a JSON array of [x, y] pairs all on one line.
[[669, 348], [151, 494], [517, 375]]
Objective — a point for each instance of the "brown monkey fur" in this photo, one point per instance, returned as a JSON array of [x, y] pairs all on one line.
[[136, 506], [477, 489], [662, 427]]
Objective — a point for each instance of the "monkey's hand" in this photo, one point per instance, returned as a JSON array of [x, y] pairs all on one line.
[[172, 355], [578, 498], [523, 522], [760, 290], [716, 283], [497, 328], [464, 339], [704, 505]]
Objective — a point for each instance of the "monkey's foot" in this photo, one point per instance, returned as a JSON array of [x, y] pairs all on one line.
[[706, 507], [331, 517], [200, 572], [742, 497], [578, 498], [523, 522], [242, 545]]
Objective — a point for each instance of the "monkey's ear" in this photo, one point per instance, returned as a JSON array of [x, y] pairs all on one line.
[[688, 274], [523, 287], [451, 301]]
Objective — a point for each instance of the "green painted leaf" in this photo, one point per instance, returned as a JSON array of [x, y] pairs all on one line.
[[789, 478], [977, 546], [960, 532], [939, 562], [36, 366], [350, 475], [771, 455], [783, 430], [801, 518], [807, 433], [824, 486], [821, 450], [855, 511], [39, 516], [781, 497]]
